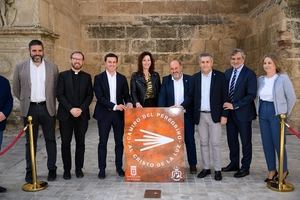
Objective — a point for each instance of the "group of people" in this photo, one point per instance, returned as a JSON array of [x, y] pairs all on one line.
[[210, 99]]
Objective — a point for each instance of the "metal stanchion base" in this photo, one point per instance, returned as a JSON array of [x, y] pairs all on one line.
[[286, 187], [31, 187]]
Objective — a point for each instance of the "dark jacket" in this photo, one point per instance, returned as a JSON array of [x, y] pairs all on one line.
[[6, 100], [166, 95], [101, 89], [138, 87], [65, 94], [244, 94], [218, 95]]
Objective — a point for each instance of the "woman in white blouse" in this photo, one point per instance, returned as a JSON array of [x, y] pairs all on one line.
[[276, 96]]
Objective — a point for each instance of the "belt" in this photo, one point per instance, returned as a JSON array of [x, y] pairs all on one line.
[[205, 111], [38, 103]]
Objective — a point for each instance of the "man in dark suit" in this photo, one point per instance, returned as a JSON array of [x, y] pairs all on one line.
[[34, 85], [173, 91], [74, 94], [208, 93], [112, 92], [6, 104], [242, 87]]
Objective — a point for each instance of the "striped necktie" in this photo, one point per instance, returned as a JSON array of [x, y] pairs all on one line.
[[232, 84]]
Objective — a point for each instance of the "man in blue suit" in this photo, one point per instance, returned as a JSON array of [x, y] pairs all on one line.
[[242, 87], [6, 104], [173, 91], [112, 93]]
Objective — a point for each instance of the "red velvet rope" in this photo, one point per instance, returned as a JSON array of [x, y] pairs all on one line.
[[10, 145], [293, 131]]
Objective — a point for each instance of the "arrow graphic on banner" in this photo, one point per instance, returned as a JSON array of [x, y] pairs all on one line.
[[152, 140]]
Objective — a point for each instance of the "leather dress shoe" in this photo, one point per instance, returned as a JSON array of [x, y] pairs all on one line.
[[121, 172], [193, 169], [28, 177], [67, 175], [204, 173], [241, 173], [51, 175], [101, 174], [79, 173], [218, 175], [2, 189], [230, 168]]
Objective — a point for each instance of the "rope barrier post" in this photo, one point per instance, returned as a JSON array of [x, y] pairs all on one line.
[[281, 185], [35, 185]]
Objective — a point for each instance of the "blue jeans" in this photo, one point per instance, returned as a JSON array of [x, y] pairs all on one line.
[[1, 136], [270, 134]]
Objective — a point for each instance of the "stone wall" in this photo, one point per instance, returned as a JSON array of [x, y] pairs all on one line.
[[274, 26], [168, 29]]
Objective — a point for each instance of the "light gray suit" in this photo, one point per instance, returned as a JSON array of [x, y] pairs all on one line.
[[42, 114], [22, 86]]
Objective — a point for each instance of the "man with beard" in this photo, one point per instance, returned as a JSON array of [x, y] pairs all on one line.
[[34, 85], [74, 94]]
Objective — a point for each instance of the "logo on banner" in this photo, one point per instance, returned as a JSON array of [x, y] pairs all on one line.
[[176, 174], [152, 140]]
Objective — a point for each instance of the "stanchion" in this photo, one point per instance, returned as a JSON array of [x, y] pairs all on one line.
[[281, 185], [35, 185]]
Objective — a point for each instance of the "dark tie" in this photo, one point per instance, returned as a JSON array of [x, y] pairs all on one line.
[[231, 88]]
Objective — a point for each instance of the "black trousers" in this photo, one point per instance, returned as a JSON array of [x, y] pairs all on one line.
[[67, 128], [236, 128], [40, 116], [189, 139], [115, 120]]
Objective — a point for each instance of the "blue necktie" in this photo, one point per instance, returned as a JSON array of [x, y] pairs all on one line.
[[232, 84]]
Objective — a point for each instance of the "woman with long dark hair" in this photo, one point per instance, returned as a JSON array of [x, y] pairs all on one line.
[[145, 83]]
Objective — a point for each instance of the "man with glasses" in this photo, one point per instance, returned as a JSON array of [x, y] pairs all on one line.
[[74, 94]]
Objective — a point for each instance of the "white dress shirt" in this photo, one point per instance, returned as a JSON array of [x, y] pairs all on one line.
[[205, 91], [38, 79], [112, 82], [178, 91]]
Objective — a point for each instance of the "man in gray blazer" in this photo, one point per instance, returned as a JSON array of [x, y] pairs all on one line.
[[34, 84]]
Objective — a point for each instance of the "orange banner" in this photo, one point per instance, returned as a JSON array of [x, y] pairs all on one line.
[[154, 145]]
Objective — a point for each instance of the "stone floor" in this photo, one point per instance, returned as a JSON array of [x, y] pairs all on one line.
[[12, 167]]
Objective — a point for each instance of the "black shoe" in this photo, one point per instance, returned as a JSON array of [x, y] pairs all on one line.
[[79, 173], [67, 175], [2, 189], [204, 173], [101, 174], [51, 175], [241, 173], [28, 177], [218, 175], [193, 169], [271, 179], [121, 172], [230, 168]]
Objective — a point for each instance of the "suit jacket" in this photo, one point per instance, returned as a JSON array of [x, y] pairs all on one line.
[[22, 86], [65, 94], [244, 94], [218, 95], [138, 87], [166, 95], [101, 89], [6, 100]]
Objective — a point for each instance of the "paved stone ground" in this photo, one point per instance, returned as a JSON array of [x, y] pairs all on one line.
[[12, 172]]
